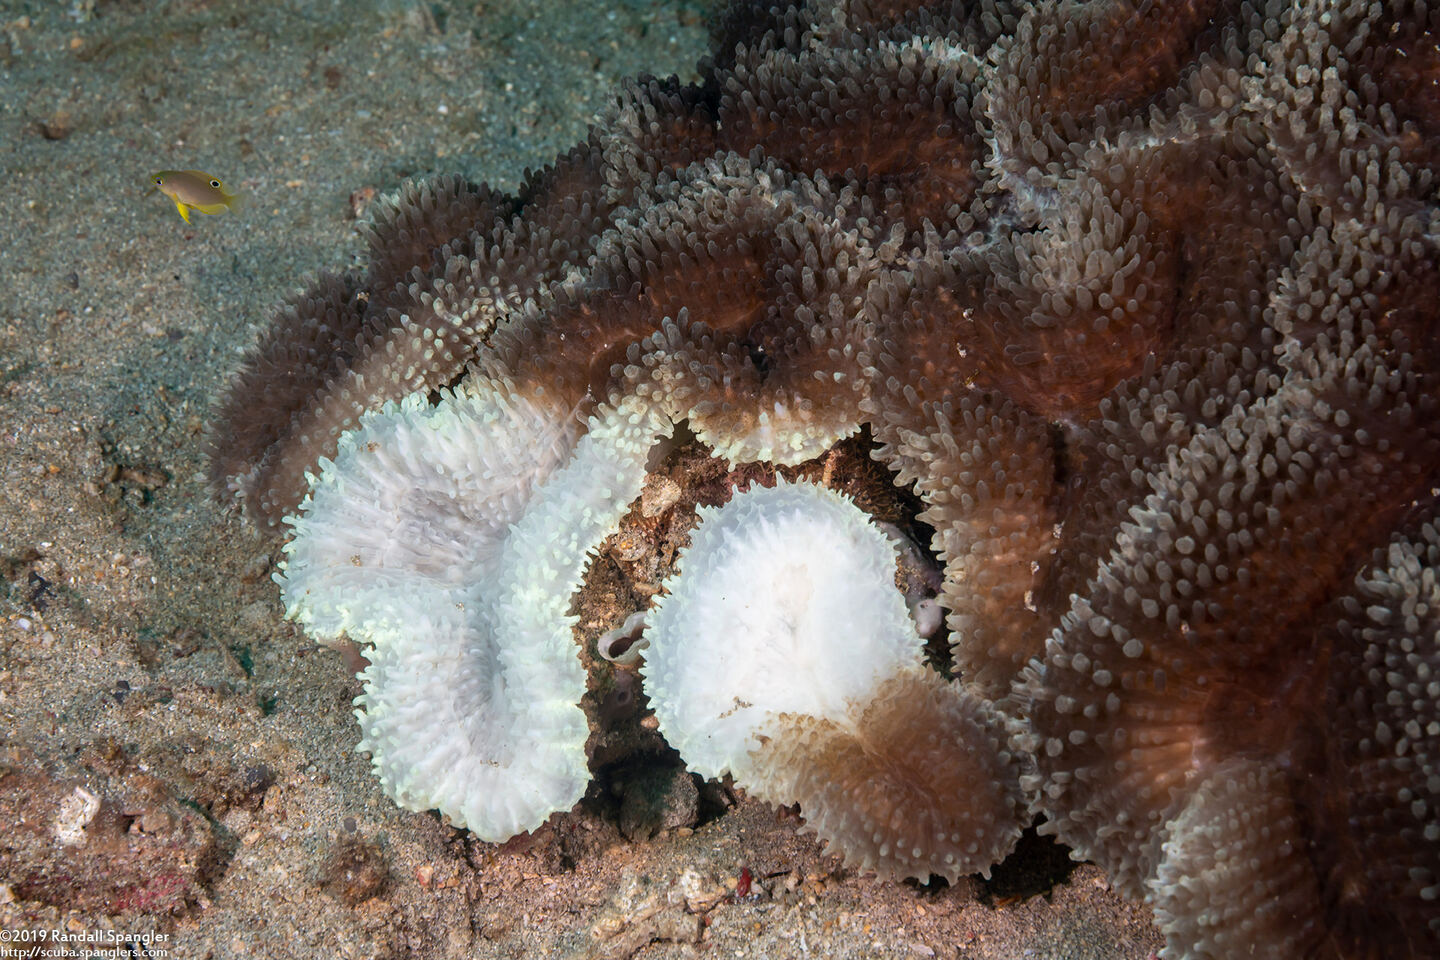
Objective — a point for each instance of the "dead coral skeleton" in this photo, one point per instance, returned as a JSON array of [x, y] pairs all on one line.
[[1140, 297]]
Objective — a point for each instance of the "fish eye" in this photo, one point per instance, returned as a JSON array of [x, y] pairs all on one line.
[[159, 179], [215, 183]]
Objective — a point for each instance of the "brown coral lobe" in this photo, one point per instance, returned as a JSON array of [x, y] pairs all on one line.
[[878, 786], [1141, 298]]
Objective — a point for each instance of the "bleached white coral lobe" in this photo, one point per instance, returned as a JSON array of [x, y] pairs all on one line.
[[416, 504], [785, 656], [784, 603], [451, 538]]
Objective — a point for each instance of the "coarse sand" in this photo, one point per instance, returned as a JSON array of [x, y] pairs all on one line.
[[176, 761]]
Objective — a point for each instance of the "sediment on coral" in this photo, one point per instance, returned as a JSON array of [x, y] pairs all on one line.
[[1139, 300]]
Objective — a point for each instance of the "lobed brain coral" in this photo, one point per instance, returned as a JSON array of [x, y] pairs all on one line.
[[1140, 299]]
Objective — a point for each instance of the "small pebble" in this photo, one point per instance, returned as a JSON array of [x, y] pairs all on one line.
[[354, 870]]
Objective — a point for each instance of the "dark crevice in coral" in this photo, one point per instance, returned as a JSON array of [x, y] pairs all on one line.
[[1038, 865], [645, 793]]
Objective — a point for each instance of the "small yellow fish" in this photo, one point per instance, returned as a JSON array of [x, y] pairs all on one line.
[[195, 190]]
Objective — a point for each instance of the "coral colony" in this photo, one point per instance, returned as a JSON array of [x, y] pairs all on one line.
[[1139, 299]]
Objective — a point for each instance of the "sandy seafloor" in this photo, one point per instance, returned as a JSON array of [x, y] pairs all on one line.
[[175, 759]]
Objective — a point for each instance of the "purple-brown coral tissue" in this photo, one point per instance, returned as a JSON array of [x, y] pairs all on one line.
[[1141, 297]]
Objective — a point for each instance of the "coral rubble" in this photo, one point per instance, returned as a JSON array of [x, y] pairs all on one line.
[[1140, 298]]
